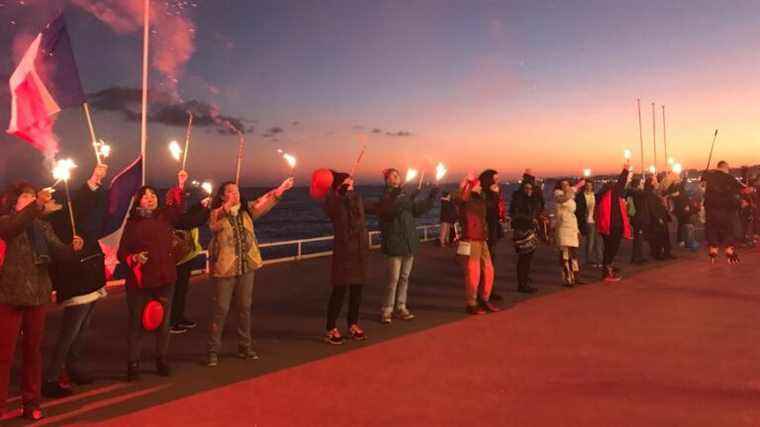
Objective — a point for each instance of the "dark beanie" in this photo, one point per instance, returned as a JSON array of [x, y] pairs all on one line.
[[338, 178], [486, 178]]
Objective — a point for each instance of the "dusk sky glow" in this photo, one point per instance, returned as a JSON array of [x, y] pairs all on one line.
[[509, 85]]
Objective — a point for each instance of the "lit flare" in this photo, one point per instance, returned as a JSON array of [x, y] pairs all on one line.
[[175, 149], [440, 171], [411, 174]]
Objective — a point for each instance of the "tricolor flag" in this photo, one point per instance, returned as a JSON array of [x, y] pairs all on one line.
[[45, 81], [123, 188]]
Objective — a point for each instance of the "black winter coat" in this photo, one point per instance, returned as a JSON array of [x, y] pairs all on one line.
[[86, 273]]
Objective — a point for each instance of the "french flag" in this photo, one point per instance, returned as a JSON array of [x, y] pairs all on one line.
[[120, 194], [45, 81]]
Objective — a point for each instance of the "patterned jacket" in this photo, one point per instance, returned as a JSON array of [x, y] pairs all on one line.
[[233, 250], [24, 280]]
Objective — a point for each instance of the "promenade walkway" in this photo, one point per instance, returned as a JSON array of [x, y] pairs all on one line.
[[673, 344]]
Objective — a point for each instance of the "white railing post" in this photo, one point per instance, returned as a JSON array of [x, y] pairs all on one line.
[[298, 255]]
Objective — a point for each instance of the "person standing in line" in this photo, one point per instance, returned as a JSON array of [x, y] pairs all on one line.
[[659, 237], [585, 202], [721, 204], [180, 196], [640, 215], [25, 287], [235, 256], [78, 284], [396, 212], [146, 248], [524, 210], [612, 222], [473, 248], [448, 220], [495, 216], [350, 259], [566, 230]]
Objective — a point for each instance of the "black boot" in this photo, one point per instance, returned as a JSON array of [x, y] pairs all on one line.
[[163, 368], [133, 371], [526, 288]]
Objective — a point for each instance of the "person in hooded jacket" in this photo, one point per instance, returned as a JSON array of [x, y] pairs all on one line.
[[350, 259], [566, 230], [638, 205]]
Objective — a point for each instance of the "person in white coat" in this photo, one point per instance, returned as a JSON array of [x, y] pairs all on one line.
[[566, 230]]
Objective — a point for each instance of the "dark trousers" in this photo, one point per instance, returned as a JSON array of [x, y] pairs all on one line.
[[181, 287], [659, 241], [611, 245], [638, 244], [71, 341], [492, 251], [31, 321], [335, 304], [136, 300], [720, 226], [523, 268]]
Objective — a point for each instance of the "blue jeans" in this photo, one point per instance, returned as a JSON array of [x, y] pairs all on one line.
[[399, 270], [71, 341]]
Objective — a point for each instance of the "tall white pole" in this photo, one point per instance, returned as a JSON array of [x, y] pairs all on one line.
[[665, 135], [654, 136], [144, 126], [641, 135]]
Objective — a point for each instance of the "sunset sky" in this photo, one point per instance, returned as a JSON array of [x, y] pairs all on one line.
[[550, 85]]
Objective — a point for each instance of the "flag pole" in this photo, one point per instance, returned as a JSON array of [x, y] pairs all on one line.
[[87, 115], [144, 124], [664, 135], [187, 138], [641, 135], [654, 136]]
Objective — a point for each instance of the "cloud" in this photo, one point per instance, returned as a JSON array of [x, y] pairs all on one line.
[[401, 133], [273, 131], [376, 130], [295, 123], [165, 109], [175, 43]]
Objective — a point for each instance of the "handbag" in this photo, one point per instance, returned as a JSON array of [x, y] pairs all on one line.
[[182, 244], [464, 248]]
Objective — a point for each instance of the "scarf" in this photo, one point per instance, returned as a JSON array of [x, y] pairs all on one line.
[[40, 250]]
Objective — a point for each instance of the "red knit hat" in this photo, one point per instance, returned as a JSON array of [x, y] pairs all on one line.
[[321, 180], [153, 315]]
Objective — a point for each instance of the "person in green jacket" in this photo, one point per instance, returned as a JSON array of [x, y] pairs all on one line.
[[396, 213]]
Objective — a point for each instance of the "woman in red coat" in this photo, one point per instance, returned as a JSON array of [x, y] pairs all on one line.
[[146, 247]]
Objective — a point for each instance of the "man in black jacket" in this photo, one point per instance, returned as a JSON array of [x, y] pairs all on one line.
[[78, 284], [722, 195]]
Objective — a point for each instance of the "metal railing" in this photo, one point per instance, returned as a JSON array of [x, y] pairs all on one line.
[[427, 235]]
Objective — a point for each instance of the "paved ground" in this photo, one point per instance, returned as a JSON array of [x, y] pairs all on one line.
[[677, 332]]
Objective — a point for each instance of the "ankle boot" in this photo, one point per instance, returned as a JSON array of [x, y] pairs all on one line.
[[133, 371], [163, 368]]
